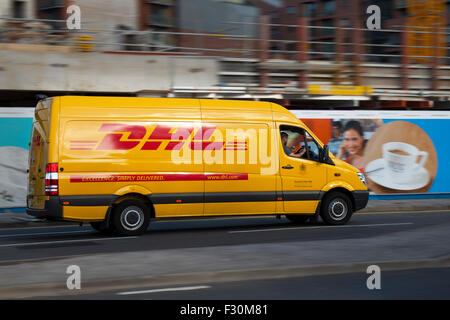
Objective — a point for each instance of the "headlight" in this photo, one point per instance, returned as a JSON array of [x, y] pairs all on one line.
[[362, 177]]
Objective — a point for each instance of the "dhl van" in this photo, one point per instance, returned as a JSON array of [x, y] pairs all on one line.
[[119, 162]]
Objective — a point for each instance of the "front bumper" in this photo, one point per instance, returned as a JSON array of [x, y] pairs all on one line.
[[361, 198]]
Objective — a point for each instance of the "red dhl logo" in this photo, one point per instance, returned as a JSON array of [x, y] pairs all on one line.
[[127, 137]]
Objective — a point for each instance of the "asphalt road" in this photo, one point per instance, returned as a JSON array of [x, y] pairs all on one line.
[[422, 284], [65, 241], [236, 238]]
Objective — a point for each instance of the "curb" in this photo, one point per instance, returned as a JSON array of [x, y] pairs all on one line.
[[95, 286]]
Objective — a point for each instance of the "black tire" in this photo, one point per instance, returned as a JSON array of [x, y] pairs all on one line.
[[130, 218], [336, 209], [297, 218]]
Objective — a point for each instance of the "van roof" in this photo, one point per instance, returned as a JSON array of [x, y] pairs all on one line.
[[141, 102], [101, 101]]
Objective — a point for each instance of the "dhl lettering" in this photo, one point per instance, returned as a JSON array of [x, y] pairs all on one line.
[[115, 139], [205, 133], [223, 177], [206, 145], [127, 137]]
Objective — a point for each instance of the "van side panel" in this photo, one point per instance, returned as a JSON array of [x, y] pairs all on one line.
[[241, 171], [84, 213], [106, 150]]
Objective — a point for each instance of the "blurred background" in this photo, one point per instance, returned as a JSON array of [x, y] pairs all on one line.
[[311, 56], [304, 54]]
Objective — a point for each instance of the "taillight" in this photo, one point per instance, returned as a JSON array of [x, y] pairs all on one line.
[[51, 179]]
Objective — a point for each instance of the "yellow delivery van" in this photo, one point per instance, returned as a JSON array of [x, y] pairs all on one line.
[[119, 162]]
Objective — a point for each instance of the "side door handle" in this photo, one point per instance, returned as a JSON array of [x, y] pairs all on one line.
[[288, 167]]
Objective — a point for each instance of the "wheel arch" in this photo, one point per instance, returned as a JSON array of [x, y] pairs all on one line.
[[340, 189], [135, 196]]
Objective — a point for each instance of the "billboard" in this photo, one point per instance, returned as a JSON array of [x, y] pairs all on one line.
[[401, 153], [15, 132], [404, 154]]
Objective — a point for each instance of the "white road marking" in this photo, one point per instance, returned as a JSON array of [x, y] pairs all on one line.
[[164, 290], [62, 241], [323, 227], [43, 233], [404, 211]]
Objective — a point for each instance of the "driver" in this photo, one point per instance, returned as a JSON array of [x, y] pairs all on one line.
[[294, 143]]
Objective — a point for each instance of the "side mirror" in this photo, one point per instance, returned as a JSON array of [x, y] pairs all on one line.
[[325, 155]]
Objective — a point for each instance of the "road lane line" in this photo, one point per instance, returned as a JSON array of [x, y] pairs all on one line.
[[323, 227], [163, 290], [44, 233], [62, 241], [404, 211]]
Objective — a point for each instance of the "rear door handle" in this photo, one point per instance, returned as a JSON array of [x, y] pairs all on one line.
[[288, 167]]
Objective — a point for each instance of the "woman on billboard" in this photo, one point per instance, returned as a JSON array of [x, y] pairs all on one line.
[[351, 149]]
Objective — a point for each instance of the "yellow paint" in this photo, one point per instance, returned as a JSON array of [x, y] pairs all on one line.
[[340, 90], [84, 213], [426, 24], [137, 161]]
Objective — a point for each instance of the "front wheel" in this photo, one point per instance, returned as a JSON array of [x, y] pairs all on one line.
[[336, 209], [130, 218]]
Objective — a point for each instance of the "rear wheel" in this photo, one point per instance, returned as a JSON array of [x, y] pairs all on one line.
[[297, 218], [336, 208], [131, 217]]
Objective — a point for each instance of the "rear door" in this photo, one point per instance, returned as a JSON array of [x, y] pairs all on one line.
[[38, 154]]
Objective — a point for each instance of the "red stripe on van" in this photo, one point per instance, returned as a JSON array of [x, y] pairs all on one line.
[[159, 177]]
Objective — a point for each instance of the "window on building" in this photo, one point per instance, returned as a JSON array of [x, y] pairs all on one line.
[[291, 10], [329, 7], [345, 22], [329, 24], [310, 9], [291, 47], [50, 4], [274, 31], [18, 8], [328, 47]]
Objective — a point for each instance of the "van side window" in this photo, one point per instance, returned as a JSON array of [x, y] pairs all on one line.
[[298, 143], [293, 141], [313, 148]]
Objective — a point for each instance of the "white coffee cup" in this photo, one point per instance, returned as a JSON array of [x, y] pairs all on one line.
[[401, 160]]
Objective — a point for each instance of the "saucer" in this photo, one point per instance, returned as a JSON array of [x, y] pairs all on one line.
[[377, 172]]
